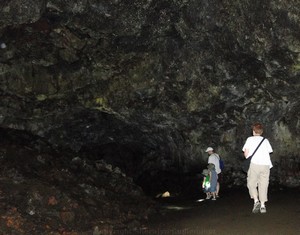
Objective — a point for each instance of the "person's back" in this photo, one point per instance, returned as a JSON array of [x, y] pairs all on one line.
[[258, 149], [215, 159]]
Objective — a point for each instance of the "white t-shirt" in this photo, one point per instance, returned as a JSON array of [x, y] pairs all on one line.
[[215, 159], [262, 155]]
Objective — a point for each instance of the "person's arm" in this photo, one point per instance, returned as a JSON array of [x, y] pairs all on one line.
[[269, 147], [246, 148], [203, 182], [246, 151]]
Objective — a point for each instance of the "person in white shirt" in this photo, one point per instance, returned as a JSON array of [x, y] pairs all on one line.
[[214, 158], [259, 171]]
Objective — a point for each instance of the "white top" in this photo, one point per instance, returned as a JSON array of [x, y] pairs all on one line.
[[262, 155], [215, 159]]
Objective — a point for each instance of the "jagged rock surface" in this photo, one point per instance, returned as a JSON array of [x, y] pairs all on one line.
[[44, 192], [148, 85]]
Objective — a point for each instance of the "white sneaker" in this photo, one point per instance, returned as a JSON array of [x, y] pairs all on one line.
[[263, 210]]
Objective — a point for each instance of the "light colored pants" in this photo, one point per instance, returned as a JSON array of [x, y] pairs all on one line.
[[258, 176]]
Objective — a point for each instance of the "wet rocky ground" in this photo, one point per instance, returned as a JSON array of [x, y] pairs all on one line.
[[229, 215]]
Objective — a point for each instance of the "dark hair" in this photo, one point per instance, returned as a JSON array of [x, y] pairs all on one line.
[[258, 128]]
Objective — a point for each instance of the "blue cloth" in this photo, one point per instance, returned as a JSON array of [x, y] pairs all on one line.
[[213, 181]]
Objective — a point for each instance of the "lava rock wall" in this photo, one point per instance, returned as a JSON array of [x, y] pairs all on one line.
[[148, 84]]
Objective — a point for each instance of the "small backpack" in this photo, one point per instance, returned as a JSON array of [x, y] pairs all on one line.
[[221, 164]]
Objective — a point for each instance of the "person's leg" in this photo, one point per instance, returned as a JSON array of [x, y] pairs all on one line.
[[219, 180], [252, 182], [213, 195], [263, 185], [213, 188]]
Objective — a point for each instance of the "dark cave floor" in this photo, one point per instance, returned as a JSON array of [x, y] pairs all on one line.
[[230, 214]]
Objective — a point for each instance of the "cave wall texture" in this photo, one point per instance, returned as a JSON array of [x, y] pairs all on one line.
[[147, 85]]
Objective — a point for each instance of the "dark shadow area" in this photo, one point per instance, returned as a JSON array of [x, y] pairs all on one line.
[[43, 188], [45, 191]]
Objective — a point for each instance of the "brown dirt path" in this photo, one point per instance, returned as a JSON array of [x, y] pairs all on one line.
[[231, 214]]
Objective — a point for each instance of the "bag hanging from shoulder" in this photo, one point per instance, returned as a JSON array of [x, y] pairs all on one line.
[[247, 161], [246, 164]]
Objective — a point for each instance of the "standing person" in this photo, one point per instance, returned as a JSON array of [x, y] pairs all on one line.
[[259, 170], [214, 158], [206, 183], [209, 183], [213, 180]]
